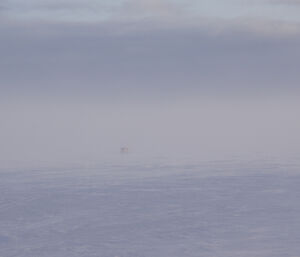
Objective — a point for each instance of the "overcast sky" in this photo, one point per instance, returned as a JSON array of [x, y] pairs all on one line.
[[104, 10], [132, 71], [146, 44]]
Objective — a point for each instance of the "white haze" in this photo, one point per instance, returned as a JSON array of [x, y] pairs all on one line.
[[80, 130], [76, 93], [206, 99]]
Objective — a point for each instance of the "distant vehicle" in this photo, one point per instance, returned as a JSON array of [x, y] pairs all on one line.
[[124, 150]]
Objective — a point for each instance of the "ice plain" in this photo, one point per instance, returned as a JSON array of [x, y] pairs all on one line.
[[159, 209]]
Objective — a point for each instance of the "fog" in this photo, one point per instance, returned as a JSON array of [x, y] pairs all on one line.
[[205, 96], [77, 93], [62, 130]]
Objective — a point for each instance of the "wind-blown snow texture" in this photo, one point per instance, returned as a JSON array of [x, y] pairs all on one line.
[[210, 209]]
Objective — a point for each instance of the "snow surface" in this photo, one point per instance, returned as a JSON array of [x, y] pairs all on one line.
[[127, 209]]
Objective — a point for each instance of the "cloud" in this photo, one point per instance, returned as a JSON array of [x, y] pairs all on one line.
[[77, 90], [284, 2], [3, 7], [113, 59], [150, 52], [57, 11], [156, 10], [92, 10], [151, 8], [146, 14]]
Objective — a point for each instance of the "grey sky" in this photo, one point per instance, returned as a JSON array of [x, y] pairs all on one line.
[[103, 10], [141, 57], [82, 78]]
